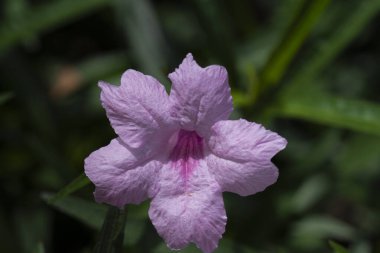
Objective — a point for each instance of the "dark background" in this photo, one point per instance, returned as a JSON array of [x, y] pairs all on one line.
[[308, 70]]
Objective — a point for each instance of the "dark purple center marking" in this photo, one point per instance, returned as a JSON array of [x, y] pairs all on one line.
[[187, 152]]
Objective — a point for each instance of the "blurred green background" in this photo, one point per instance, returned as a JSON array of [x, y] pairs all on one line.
[[307, 69]]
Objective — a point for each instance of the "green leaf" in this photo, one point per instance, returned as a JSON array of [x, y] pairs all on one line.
[[111, 234], [352, 114], [92, 215], [309, 193], [43, 18], [319, 152], [144, 34], [134, 229], [78, 183], [87, 212], [308, 232], [331, 46], [32, 226], [241, 99], [321, 108], [337, 247], [289, 45], [247, 70], [358, 157]]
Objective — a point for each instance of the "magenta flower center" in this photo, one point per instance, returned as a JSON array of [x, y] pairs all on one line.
[[187, 152]]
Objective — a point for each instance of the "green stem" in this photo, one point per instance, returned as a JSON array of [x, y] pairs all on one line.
[[298, 31], [112, 232]]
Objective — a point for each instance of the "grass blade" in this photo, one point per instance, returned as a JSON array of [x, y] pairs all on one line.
[[327, 51], [143, 32], [352, 114], [78, 183], [92, 215], [87, 212], [337, 247], [292, 41]]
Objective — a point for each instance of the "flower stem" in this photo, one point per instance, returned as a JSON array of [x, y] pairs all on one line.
[[112, 232]]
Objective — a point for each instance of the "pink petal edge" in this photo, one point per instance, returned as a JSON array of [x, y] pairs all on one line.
[[241, 156], [139, 111], [188, 210], [120, 176], [199, 96]]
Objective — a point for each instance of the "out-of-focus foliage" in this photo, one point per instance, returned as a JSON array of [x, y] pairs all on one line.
[[306, 69]]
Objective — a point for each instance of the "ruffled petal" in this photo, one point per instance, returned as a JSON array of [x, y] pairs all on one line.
[[188, 210], [200, 96], [120, 176], [241, 156], [245, 141], [138, 110], [243, 178]]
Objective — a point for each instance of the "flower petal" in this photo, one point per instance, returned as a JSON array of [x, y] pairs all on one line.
[[241, 154], [138, 110], [243, 178], [243, 140], [200, 96], [192, 210], [120, 176]]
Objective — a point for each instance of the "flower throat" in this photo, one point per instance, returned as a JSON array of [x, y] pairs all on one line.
[[187, 152]]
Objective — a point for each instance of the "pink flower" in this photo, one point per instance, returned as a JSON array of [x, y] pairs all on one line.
[[181, 151]]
